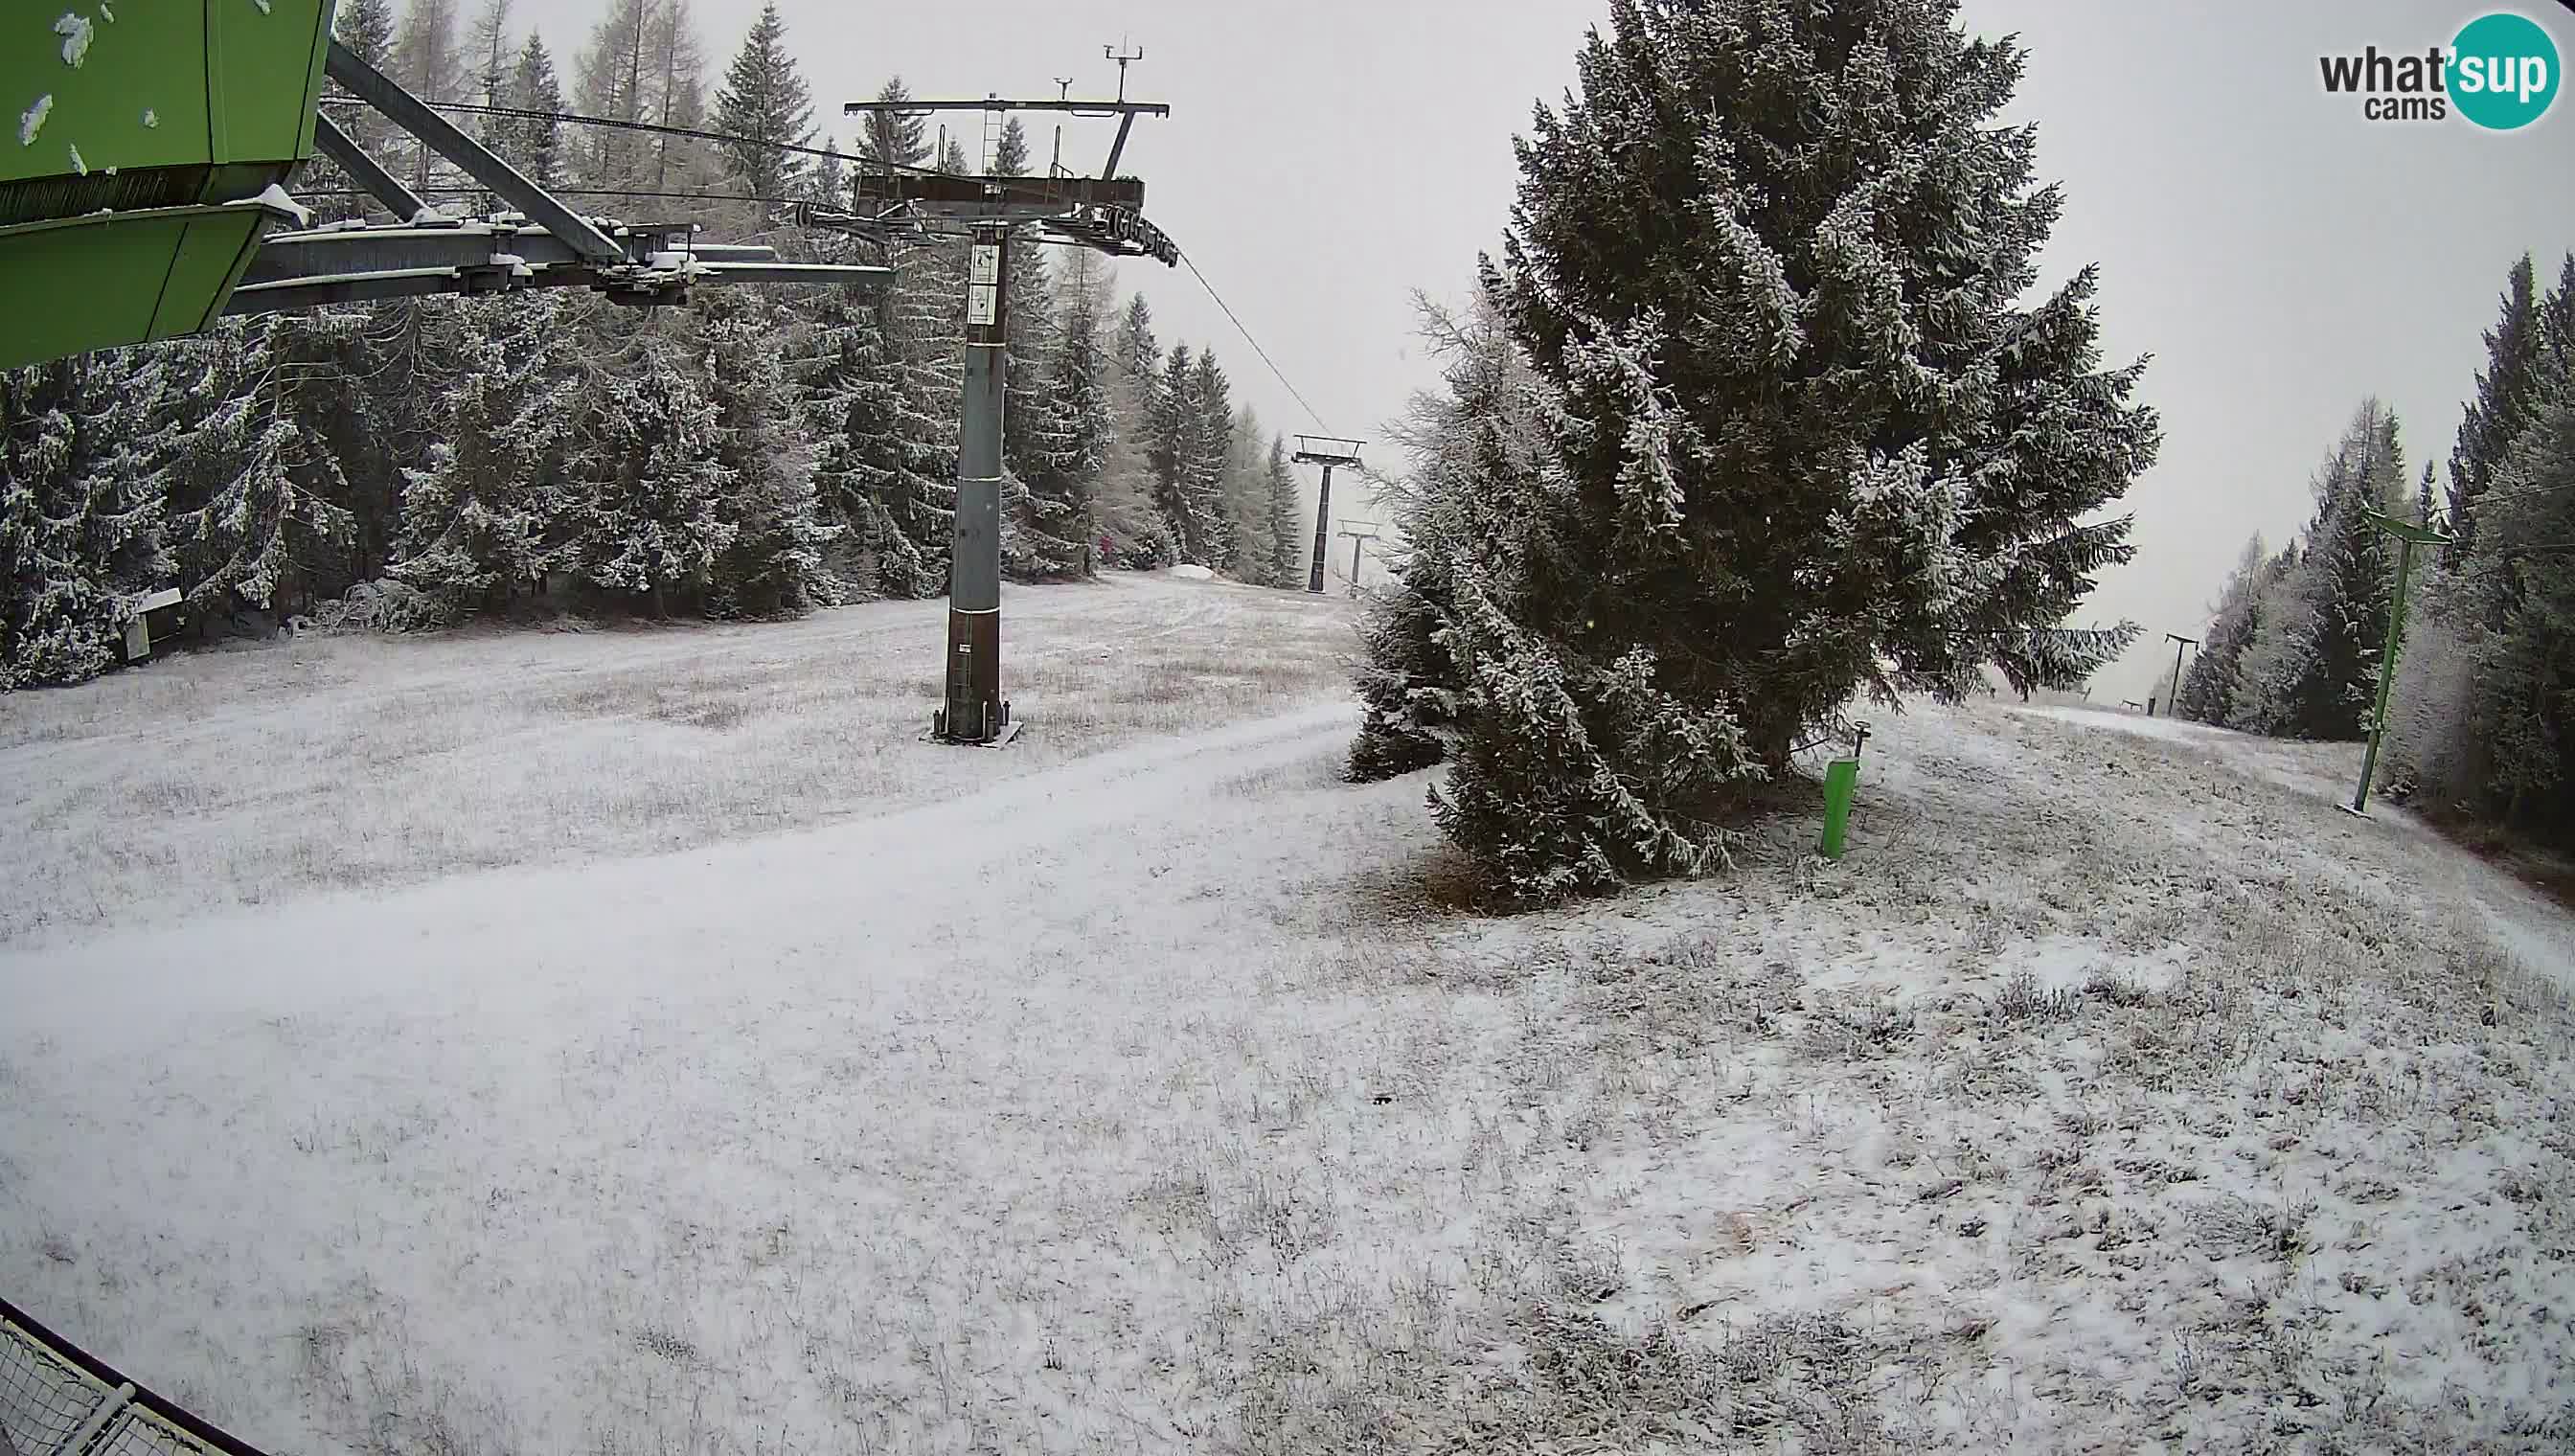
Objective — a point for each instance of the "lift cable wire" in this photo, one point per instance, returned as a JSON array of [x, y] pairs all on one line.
[[932, 239], [1311, 411], [521, 113]]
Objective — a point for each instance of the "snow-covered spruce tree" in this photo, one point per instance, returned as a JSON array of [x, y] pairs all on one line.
[[533, 145], [1174, 419], [924, 318], [2501, 409], [1287, 515], [1250, 552], [766, 98], [642, 472], [2210, 684], [829, 182], [1769, 256], [482, 519], [2460, 665], [1039, 541], [1191, 435], [2312, 671], [1068, 441], [893, 138], [2429, 751], [1207, 446], [1135, 533], [774, 563], [1491, 422], [79, 513], [253, 492], [2521, 571], [848, 395]]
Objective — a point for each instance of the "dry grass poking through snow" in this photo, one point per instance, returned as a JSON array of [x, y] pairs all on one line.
[[2158, 1119], [258, 774], [2105, 1098]]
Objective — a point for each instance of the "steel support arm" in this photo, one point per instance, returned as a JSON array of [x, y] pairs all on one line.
[[364, 170], [441, 135], [1118, 148], [310, 291], [326, 252]]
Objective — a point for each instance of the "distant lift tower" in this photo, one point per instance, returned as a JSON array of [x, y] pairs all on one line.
[[1326, 450], [1360, 533], [2172, 704], [1104, 213]]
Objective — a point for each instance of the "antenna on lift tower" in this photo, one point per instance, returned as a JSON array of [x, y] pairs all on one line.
[[1121, 58], [990, 213], [1063, 96]]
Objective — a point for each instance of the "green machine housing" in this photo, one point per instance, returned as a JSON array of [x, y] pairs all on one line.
[[138, 142]]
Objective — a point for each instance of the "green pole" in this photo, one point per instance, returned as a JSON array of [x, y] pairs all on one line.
[[1841, 777], [2386, 675]]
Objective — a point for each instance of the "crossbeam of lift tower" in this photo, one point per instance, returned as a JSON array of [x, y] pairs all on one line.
[[543, 242], [1104, 213]]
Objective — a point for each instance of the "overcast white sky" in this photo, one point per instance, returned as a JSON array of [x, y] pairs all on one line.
[[2279, 255]]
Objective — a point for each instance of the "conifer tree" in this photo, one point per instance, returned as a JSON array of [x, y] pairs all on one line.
[[1188, 491], [2521, 576], [533, 145], [1485, 427], [891, 139], [1068, 437], [775, 563], [2209, 687], [1286, 504], [1252, 552], [488, 55], [253, 492], [829, 181], [1770, 260], [613, 80], [80, 513], [2312, 670], [1205, 451], [924, 331], [484, 517], [641, 473], [2501, 409], [428, 60], [766, 97], [850, 399], [1133, 529]]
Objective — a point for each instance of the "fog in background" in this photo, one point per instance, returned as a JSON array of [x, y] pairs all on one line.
[[2279, 255]]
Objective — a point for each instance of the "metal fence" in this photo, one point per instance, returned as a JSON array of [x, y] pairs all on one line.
[[56, 1400]]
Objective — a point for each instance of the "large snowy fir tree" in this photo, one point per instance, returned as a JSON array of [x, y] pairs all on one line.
[[1804, 438]]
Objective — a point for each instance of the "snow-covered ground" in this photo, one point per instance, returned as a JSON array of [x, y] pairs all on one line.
[[1141, 1092]]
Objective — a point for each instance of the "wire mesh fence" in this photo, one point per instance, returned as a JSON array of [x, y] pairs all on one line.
[[57, 1400]]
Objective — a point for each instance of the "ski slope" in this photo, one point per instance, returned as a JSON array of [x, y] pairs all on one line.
[[1143, 1092]]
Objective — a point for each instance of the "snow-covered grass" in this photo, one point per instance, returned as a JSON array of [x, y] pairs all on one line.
[[249, 775], [2107, 1096]]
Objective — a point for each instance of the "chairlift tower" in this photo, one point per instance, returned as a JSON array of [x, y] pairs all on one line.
[[1104, 213], [2180, 645], [1359, 532], [1326, 450]]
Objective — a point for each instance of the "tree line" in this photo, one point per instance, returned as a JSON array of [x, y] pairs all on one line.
[[760, 451], [2482, 713]]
